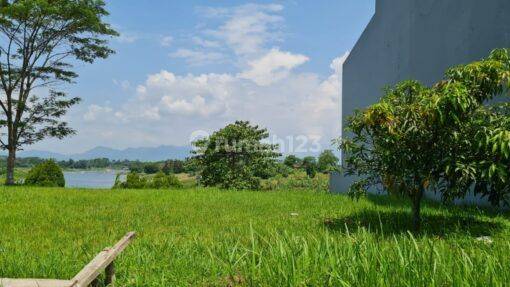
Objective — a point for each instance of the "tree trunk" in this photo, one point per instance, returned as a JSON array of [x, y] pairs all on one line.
[[416, 209], [11, 159]]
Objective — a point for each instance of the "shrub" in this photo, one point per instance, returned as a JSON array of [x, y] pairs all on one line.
[[136, 181], [297, 180], [162, 180], [47, 174]]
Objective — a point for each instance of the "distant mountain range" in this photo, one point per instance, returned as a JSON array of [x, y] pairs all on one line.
[[142, 153]]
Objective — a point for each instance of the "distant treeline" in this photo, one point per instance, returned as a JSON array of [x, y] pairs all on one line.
[[167, 166], [326, 162]]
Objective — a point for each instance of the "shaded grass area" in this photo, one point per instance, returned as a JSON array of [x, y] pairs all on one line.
[[207, 237], [394, 219]]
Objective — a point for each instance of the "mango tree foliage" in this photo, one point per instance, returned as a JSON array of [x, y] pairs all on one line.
[[40, 40], [449, 138]]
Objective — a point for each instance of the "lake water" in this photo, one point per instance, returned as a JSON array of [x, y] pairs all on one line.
[[90, 179]]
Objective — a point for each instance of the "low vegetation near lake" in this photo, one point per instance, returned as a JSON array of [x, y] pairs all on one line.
[[209, 237]]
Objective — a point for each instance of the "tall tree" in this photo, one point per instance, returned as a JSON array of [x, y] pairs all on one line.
[[39, 42]]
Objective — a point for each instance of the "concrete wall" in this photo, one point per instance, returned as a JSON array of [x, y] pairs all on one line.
[[418, 39]]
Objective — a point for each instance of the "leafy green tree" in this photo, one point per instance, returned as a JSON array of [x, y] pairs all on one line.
[[47, 174], [292, 161], [479, 157], [234, 156], [327, 162], [445, 138], [39, 42], [309, 164]]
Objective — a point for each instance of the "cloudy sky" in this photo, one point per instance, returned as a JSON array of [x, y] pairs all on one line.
[[186, 68]]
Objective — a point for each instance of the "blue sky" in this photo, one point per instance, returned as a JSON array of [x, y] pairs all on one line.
[[186, 68]]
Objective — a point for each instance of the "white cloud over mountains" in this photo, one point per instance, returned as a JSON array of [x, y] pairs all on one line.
[[267, 88]]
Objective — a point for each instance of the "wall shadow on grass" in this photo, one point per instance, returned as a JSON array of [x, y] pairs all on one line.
[[389, 223], [393, 201]]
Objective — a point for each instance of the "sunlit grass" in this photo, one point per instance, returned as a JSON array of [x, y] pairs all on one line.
[[207, 237]]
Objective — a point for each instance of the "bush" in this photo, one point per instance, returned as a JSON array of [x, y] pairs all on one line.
[[136, 181], [47, 174], [162, 180], [297, 180]]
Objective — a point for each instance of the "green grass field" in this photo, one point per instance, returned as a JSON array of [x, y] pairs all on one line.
[[207, 237]]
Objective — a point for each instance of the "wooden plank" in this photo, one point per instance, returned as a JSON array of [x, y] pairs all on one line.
[[101, 261], [35, 283]]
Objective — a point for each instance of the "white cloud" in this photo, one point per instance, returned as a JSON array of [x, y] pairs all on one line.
[[272, 67], [96, 112], [194, 57], [166, 41], [127, 38], [205, 43], [203, 95], [124, 84], [299, 104], [247, 28]]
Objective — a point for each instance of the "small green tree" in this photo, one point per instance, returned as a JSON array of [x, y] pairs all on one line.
[[309, 164], [40, 42], [327, 162], [47, 174], [234, 156], [446, 138]]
